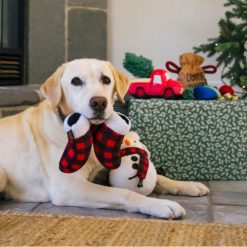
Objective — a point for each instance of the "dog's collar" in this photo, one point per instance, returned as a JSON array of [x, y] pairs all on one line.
[[61, 115]]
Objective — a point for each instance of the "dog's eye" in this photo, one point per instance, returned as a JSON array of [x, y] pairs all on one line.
[[105, 80], [76, 81]]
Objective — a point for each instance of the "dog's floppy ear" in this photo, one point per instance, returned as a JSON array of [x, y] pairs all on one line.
[[121, 83], [51, 88]]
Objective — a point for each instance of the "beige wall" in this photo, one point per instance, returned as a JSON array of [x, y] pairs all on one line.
[[161, 29]]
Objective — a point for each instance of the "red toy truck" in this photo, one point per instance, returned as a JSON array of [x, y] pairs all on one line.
[[158, 85]]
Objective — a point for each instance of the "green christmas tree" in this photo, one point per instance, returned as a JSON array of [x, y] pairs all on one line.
[[230, 48], [138, 66]]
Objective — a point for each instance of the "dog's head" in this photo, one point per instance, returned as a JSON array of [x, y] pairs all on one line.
[[88, 86]]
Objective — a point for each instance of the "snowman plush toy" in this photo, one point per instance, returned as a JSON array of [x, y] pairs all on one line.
[[136, 172]]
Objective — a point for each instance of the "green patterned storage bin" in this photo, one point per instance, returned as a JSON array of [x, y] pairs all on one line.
[[194, 140]]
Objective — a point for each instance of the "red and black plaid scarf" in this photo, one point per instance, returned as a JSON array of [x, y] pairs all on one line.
[[143, 164]]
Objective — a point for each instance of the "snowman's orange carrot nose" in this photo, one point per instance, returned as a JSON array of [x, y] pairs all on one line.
[[127, 142]]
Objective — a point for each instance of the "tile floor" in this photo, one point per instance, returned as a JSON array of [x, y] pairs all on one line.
[[226, 203]]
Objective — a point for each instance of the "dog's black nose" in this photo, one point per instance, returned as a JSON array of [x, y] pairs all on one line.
[[98, 103]]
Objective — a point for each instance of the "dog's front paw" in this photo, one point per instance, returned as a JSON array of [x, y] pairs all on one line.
[[164, 209], [193, 189]]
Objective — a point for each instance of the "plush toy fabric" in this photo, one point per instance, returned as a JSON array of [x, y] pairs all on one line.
[[79, 143], [206, 93], [226, 89], [143, 164], [191, 73], [106, 139], [136, 172]]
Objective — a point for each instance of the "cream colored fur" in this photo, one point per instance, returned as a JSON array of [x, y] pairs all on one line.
[[31, 144]]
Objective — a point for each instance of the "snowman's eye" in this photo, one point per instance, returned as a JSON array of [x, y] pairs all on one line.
[[134, 158]]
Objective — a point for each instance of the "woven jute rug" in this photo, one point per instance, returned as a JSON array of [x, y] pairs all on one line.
[[47, 230]]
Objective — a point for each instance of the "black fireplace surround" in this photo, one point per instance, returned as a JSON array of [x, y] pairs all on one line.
[[11, 42]]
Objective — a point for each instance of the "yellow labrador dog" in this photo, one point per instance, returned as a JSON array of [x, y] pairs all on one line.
[[31, 144]]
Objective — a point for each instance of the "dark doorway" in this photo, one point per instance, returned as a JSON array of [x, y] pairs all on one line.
[[11, 42]]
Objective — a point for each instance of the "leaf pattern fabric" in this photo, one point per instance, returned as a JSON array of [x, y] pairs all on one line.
[[194, 140]]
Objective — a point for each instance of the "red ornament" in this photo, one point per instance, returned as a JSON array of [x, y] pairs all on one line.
[[226, 89]]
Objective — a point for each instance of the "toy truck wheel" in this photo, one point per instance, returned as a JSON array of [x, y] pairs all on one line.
[[169, 94], [140, 93]]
